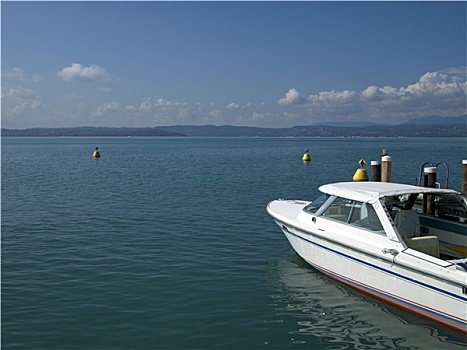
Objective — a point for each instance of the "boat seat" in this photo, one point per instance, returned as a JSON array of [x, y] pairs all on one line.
[[407, 223], [426, 244]]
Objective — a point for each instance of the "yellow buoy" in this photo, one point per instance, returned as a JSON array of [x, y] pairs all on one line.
[[96, 153], [360, 174], [306, 156]]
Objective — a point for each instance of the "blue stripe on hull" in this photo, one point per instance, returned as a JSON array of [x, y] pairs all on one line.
[[453, 295], [436, 315], [426, 312]]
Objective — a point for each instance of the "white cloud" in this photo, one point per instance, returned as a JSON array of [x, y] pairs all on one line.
[[371, 93], [145, 106], [184, 113], [333, 99], [442, 93], [258, 116], [164, 103], [76, 72], [110, 107], [16, 101], [214, 117], [292, 97], [18, 73], [435, 93], [233, 106]]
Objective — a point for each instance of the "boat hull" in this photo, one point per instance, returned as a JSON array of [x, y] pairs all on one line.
[[397, 281]]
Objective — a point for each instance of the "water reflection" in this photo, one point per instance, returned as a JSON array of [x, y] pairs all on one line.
[[341, 318]]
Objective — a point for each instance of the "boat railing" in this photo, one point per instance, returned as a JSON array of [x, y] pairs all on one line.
[[438, 185]]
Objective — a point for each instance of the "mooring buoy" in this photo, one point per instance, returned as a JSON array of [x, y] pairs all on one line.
[[306, 156], [96, 153], [360, 174]]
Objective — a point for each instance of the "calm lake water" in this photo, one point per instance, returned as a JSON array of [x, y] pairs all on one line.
[[165, 243]]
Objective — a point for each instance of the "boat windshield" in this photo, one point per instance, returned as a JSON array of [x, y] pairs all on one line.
[[354, 213], [317, 203]]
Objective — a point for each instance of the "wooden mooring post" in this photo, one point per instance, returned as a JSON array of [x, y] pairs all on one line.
[[375, 170], [386, 167], [429, 181], [464, 176], [381, 171]]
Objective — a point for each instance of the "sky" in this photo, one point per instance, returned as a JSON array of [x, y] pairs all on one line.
[[263, 64]]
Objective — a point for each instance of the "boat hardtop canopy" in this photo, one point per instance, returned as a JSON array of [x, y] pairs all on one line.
[[370, 192]]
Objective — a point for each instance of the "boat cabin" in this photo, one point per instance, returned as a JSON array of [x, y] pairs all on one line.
[[432, 221]]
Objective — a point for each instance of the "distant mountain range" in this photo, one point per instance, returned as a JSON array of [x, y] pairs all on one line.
[[435, 120], [89, 131], [350, 124], [422, 127], [432, 120]]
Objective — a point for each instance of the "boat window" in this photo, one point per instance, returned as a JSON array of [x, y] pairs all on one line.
[[365, 216], [339, 209], [354, 213], [450, 208], [446, 207], [394, 204], [317, 203]]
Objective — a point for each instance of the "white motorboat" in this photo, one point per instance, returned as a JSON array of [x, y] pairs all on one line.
[[375, 237]]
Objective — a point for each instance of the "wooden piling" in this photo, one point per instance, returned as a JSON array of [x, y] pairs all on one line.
[[429, 181], [386, 168], [376, 171], [464, 176]]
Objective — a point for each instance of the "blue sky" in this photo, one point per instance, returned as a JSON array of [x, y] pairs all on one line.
[[267, 64]]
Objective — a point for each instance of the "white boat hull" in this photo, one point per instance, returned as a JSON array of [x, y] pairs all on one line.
[[404, 281]]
